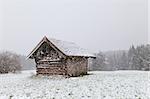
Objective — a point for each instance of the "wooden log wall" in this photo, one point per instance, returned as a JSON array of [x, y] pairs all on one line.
[[77, 66], [53, 69]]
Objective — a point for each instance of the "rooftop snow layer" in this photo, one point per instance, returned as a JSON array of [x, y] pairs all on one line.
[[70, 48]]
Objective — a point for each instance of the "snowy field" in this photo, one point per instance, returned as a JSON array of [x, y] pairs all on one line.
[[97, 85]]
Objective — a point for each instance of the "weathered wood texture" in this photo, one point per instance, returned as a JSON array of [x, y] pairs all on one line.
[[50, 61], [52, 69], [77, 66]]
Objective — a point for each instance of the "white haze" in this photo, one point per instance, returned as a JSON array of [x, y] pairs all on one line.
[[93, 24]]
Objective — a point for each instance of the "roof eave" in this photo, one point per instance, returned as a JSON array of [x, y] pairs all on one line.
[[82, 56]]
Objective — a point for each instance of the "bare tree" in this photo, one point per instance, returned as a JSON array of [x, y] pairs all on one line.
[[9, 62]]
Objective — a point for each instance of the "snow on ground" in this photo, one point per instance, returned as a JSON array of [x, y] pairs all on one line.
[[97, 85]]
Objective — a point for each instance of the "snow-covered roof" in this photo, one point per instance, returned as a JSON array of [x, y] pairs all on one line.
[[68, 48]]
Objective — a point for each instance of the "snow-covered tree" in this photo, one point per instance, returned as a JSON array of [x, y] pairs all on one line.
[[131, 57], [123, 61], [139, 57], [136, 58], [143, 55]]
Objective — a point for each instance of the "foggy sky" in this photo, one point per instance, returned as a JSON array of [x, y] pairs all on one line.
[[149, 22], [92, 24]]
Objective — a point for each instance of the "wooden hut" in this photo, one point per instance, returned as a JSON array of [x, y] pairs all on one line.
[[56, 57]]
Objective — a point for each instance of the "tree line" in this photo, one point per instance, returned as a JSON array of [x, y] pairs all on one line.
[[136, 58]]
